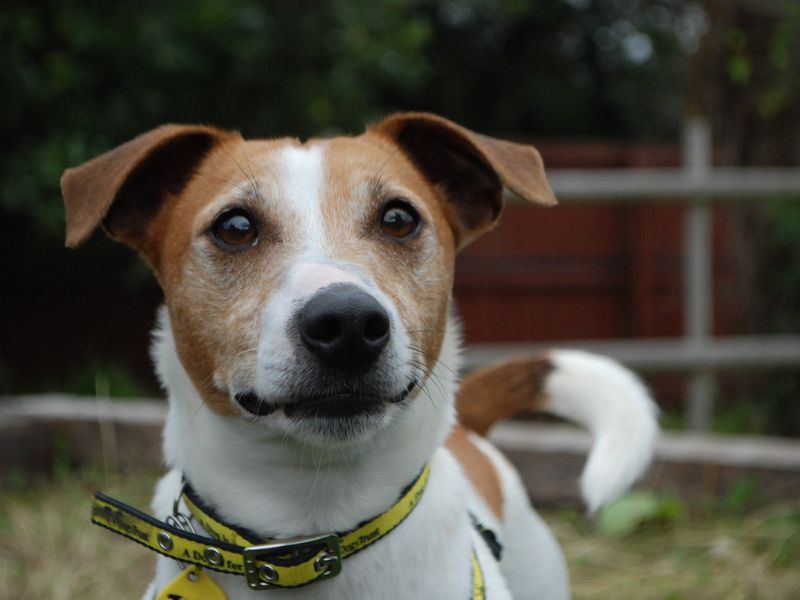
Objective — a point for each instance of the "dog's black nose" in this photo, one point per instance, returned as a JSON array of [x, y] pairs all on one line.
[[344, 327]]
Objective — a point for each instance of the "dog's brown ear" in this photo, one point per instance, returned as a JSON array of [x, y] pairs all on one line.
[[469, 167], [124, 188]]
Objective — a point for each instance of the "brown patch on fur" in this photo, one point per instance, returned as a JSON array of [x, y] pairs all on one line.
[[215, 300], [478, 467], [138, 174], [149, 193], [470, 169], [501, 391]]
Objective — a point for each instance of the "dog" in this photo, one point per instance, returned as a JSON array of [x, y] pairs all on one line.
[[310, 349]]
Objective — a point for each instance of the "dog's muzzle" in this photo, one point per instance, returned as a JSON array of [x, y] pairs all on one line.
[[341, 369]]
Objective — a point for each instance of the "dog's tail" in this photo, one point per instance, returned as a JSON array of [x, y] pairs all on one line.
[[593, 391]]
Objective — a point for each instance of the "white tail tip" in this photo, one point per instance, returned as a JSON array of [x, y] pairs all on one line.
[[615, 406]]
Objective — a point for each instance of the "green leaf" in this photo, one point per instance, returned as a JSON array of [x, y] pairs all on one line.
[[624, 516], [740, 69]]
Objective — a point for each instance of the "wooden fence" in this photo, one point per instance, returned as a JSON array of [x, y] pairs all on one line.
[[697, 351]]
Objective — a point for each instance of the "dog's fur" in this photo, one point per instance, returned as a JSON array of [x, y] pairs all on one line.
[[228, 329]]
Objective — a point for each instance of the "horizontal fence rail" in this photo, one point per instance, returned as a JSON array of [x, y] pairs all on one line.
[[643, 185], [739, 352], [696, 184]]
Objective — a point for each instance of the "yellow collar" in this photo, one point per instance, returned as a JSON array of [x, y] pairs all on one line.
[[350, 542], [264, 563]]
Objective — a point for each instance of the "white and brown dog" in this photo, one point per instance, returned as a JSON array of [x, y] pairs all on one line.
[[310, 352]]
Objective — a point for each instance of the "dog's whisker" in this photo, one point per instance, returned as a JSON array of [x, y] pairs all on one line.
[[430, 375], [424, 390], [430, 357], [254, 190], [440, 387], [377, 176], [253, 350]]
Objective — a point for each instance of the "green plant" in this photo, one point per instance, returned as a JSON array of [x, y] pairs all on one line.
[[638, 509], [738, 499], [100, 378]]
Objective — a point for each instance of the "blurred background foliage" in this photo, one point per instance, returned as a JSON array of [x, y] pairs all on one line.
[[81, 77]]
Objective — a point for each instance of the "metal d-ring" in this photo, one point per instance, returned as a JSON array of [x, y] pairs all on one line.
[[180, 521]]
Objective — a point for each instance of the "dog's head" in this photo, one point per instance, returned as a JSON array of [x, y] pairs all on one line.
[[307, 284]]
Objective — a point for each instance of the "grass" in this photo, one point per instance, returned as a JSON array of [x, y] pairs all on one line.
[[48, 549], [714, 555]]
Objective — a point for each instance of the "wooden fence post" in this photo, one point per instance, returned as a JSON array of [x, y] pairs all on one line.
[[698, 280]]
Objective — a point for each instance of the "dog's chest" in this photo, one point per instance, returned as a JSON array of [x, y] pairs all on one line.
[[429, 555]]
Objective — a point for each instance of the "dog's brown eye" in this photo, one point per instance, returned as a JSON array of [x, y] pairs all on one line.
[[399, 219], [235, 229]]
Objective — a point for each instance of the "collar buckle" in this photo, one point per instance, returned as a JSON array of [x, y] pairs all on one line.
[[260, 561]]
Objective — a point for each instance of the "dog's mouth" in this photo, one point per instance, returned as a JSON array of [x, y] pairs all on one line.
[[342, 405]]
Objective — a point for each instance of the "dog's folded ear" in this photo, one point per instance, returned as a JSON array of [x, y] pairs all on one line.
[[125, 188], [470, 168]]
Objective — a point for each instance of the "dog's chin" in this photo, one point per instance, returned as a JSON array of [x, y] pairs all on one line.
[[333, 426], [338, 417]]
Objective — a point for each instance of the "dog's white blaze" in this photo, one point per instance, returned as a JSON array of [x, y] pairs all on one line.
[[307, 278], [301, 187], [315, 266]]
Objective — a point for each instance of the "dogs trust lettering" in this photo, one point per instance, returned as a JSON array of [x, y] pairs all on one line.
[[119, 521], [195, 556], [362, 540]]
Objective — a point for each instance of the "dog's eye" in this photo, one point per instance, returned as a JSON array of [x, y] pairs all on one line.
[[235, 229], [399, 219]]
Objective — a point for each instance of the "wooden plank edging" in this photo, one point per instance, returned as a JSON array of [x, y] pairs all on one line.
[[127, 433]]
